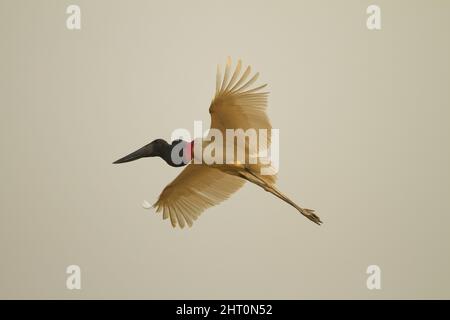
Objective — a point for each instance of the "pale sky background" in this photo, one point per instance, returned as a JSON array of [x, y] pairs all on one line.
[[364, 133]]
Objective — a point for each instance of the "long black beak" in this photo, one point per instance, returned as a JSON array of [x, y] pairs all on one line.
[[145, 151]]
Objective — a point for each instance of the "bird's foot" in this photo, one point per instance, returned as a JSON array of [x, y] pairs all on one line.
[[309, 213]]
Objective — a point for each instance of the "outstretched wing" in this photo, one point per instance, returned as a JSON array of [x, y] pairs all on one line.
[[194, 190], [238, 105]]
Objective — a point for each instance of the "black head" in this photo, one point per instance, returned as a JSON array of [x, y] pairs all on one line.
[[173, 153]]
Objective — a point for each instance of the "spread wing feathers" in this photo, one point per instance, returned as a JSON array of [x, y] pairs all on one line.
[[194, 190], [237, 105]]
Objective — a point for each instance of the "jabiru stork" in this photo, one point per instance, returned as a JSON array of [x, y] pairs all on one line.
[[236, 105]]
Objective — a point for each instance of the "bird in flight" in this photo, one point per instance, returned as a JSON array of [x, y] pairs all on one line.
[[237, 104]]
